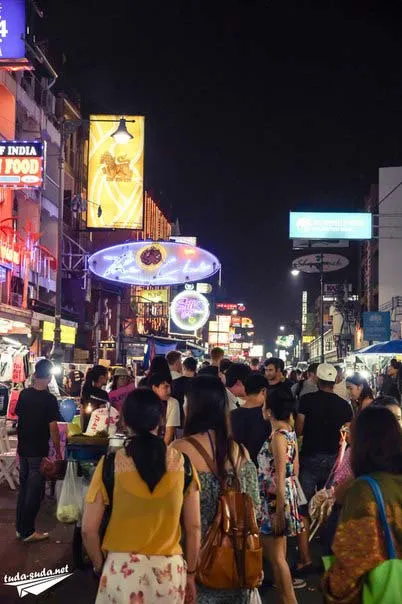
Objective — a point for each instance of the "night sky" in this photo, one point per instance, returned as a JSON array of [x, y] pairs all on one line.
[[252, 108]]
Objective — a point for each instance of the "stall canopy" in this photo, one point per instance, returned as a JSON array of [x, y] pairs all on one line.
[[391, 347]]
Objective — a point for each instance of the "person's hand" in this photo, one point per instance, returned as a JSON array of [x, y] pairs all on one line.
[[278, 523], [191, 590]]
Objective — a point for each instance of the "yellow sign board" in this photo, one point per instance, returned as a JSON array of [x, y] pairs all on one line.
[[115, 174], [67, 333], [308, 339], [153, 295]]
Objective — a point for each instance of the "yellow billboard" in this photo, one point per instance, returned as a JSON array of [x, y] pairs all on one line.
[[67, 333], [115, 173]]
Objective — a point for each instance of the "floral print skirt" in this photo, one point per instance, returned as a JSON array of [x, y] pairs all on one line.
[[138, 579]]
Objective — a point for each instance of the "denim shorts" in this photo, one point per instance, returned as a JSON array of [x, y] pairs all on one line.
[[314, 472]]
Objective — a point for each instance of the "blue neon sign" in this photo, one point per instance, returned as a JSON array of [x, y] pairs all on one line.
[[330, 225], [12, 29]]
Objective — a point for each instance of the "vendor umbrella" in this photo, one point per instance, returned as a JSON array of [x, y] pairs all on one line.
[[391, 347]]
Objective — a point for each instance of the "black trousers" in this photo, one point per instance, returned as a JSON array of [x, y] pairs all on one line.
[[30, 495]]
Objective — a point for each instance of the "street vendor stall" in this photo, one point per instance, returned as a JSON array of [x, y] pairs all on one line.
[[373, 360]]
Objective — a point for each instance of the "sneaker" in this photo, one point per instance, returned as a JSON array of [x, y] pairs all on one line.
[[297, 583], [36, 537]]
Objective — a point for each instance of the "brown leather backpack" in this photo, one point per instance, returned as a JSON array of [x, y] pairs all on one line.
[[231, 555]]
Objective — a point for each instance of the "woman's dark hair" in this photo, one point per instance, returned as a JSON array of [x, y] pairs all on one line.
[[207, 406], [281, 403], [385, 401], [92, 375], [359, 380], [142, 412], [160, 366], [376, 443]]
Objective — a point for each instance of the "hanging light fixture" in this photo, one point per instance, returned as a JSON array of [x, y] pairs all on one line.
[[122, 135]]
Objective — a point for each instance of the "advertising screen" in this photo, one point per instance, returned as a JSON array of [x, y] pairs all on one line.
[[115, 174], [21, 164], [67, 333], [189, 310], [330, 225], [12, 30]]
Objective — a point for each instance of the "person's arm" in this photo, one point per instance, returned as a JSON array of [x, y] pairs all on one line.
[[91, 522], [192, 529], [55, 436], [296, 463], [299, 424], [279, 450], [172, 420]]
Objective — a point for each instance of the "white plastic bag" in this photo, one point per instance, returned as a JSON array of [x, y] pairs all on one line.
[[69, 506], [301, 498], [255, 597]]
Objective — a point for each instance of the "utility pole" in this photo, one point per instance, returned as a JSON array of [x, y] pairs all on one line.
[[322, 306]]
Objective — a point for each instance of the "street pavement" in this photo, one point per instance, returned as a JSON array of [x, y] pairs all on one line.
[[80, 588]]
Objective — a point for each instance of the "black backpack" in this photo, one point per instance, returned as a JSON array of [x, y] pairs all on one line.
[[108, 481]]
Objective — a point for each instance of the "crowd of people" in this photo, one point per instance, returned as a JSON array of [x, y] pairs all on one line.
[[292, 444]]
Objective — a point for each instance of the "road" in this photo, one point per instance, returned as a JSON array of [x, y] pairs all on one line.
[[80, 588]]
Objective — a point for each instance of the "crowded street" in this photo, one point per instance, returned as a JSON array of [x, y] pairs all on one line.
[[200, 302]]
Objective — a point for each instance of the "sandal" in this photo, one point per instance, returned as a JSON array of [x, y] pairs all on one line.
[[36, 537]]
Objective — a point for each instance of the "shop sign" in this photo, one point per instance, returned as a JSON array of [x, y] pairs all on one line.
[[308, 339], [12, 30], [330, 225], [155, 296], [21, 164], [377, 326], [247, 323], [115, 174], [230, 306], [204, 288], [67, 333], [189, 310], [167, 263]]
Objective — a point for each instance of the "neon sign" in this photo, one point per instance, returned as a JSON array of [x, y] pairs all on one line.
[[149, 263], [21, 164], [189, 310]]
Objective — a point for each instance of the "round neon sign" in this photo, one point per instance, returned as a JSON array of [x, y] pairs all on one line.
[[153, 263], [189, 310]]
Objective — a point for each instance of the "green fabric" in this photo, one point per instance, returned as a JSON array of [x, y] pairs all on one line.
[[383, 585]]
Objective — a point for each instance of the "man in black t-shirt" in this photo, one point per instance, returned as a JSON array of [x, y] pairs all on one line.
[[181, 386], [320, 417], [249, 427], [38, 413], [75, 379]]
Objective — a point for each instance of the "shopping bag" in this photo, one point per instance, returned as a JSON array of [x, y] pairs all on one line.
[[254, 597], [383, 584], [69, 507], [301, 498]]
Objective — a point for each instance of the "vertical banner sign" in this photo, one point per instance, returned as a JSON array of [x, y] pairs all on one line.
[[115, 174], [12, 30]]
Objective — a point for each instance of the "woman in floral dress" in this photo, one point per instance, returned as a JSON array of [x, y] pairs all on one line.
[[278, 465], [207, 423]]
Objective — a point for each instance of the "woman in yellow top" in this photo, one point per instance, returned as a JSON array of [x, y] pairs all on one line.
[[144, 562]]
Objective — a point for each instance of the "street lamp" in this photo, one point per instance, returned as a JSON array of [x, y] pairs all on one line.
[[295, 272], [68, 127], [281, 327]]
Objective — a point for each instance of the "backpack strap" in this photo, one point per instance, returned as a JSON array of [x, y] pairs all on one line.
[[108, 482], [188, 472], [375, 487], [204, 454]]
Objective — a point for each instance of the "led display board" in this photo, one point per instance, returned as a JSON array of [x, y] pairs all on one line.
[[330, 225], [115, 174], [67, 333], [162, 263], [21, 164]]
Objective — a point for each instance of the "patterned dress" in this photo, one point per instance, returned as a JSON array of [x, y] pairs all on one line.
[[209, 496], [267, 483]]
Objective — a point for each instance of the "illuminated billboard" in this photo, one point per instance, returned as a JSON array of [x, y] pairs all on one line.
[[330, 225], [162, 263], [189, 310], [21, 164], [67, 333], [115, 174], [12, 30]]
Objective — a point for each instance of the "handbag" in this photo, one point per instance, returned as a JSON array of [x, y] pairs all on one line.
[[383, 584], [231, 554]]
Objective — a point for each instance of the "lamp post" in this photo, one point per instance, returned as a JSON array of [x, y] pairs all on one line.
[[68, 127]]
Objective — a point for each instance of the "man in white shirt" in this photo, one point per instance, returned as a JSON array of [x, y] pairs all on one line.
[[162, 388], [340, 384], [174, 360]]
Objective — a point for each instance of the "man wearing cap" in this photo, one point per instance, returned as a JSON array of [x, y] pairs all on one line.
[[320, 418], [38, 414]]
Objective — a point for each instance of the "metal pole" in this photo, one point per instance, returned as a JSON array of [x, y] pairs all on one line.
[[118, 330], [57, 352], [322, 306]]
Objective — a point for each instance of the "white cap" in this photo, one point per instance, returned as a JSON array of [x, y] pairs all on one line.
[[326, 372]]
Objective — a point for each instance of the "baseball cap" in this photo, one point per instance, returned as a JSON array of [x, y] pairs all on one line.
[[120, 371], [326, 372]]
